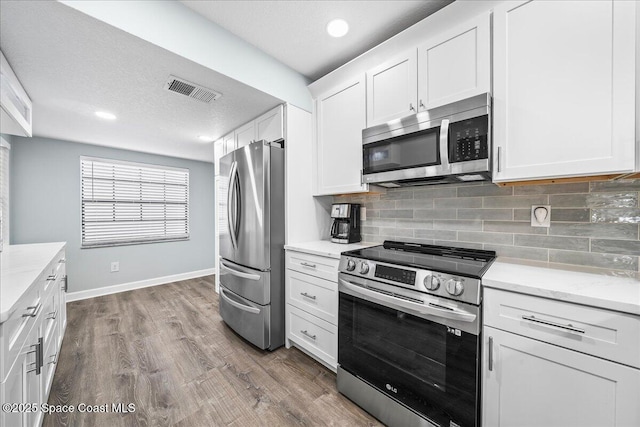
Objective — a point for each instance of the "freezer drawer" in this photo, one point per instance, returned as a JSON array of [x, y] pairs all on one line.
[[251, 321], [254, 285]]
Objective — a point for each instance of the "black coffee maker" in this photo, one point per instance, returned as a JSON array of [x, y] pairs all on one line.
[[346, 223]]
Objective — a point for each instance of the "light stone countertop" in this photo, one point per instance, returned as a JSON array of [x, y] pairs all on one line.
[[20, 266], [619, 291], [327, 248]]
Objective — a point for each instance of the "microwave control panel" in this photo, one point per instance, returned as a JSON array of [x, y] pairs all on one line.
[[468, 139]]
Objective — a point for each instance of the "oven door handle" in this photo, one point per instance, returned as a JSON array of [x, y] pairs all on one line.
[[408, 306]]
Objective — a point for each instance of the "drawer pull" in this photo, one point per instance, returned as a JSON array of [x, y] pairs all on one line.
[[34, 311], [568, 327], [62, 261], [490, 361], [55, 359], [52, 277], [313, 337], [304, 294], [306, 264], [53, 315]]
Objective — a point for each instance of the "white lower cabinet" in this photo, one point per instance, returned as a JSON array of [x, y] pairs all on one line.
[[311, 314], [30, 340], [529, 382]]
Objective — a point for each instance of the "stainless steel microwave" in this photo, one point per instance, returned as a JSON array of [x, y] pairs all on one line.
[[451, 143]]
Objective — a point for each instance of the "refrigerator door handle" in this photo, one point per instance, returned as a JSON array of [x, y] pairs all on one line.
[[230, 190], [239, 273], [236, 304], [238, 211]]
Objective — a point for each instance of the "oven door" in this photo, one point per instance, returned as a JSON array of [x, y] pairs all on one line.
[[412, 356]]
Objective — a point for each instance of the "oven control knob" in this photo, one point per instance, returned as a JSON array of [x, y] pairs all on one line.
[[351, 265], [364, 268], [454, 287], [432, 283]]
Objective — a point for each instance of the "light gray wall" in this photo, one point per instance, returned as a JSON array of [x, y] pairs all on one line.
[[45, 207], [594, 224]]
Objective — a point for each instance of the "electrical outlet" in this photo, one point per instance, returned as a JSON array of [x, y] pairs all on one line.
[[363, 213], [541, 216], [115, 266]]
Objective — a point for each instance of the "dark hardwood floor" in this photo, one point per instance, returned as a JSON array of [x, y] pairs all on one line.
[[166, 350]]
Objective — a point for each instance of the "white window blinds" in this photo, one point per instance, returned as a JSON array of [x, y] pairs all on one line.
[[126, 203]]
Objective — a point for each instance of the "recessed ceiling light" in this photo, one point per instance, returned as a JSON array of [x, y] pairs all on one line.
[[337, 27], [205, 138], [105, 115]]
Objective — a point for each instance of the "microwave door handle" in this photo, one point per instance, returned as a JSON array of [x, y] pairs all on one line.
[[444, 144], [408, 306]]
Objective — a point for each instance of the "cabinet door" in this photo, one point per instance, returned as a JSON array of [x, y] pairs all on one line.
[[455, 64], [229, 143], [531, 383], [13, 391], [564, 87], [218, 151], [245, 135], [269, 126], [392, 89], [33, 380], [340, 116]]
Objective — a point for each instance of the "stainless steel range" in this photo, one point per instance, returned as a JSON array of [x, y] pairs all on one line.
[[409, 332]]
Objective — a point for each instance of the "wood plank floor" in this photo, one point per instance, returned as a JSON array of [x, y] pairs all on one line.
[[166, 349]]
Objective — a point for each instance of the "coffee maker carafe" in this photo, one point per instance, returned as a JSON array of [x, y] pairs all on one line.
[[346, 223]]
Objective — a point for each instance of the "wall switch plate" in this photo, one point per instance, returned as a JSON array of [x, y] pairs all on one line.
[[541, 216], [115, 266]]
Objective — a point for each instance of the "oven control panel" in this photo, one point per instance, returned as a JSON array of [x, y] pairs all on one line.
[[400, 275], [446, 285], [469, 140]]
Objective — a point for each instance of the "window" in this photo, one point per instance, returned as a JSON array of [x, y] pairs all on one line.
[[125, 203]]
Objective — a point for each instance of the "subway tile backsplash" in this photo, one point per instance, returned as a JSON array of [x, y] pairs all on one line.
[[594, 224]]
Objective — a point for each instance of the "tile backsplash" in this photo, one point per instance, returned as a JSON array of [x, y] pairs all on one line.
[[595, 224]]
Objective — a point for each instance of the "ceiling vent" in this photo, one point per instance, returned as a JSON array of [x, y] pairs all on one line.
[[192, 90]]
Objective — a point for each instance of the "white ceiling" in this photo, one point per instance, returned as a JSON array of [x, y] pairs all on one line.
[[294, 31], [72, 65]]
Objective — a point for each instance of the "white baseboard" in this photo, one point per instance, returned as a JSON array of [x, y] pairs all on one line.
[[107, 290]]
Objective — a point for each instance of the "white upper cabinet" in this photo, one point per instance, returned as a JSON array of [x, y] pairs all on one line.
[[218, 152], [16, 107], [270, 125], [564, 88], [392, 89], [455, 64], [340, 118], [245, 134], [229, 142]]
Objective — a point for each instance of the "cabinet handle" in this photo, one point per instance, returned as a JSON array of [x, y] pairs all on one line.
[[361, 177], [52, 278], [52, 315], [568, 327], [35, 309], [39, 356], [55, 359], [499, 159], [313, 337], [64, 287], [421, 105], [62, 261], [306, 264], [411, 107], [490, 361], [304, 294]]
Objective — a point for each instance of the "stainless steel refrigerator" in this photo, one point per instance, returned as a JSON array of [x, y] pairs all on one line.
[[251, 268]]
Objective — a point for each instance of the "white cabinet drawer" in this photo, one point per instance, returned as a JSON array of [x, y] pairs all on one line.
[[14, 331], [319, 266], [314, 335], [607, 334], [314, 295]]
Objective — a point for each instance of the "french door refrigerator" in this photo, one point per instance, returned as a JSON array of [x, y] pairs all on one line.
[[251, 221]]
